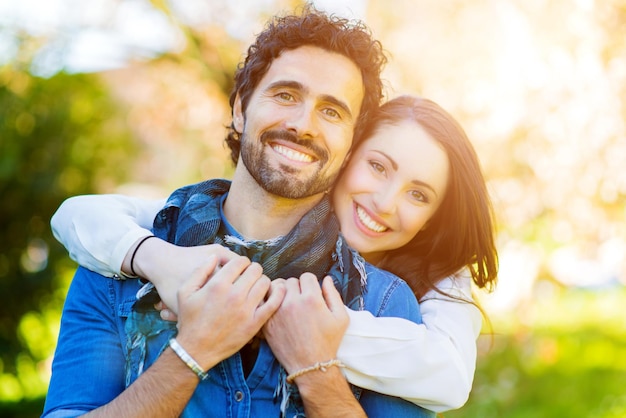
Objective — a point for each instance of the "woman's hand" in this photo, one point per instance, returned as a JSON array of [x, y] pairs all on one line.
[[167, 265], [166, 313]]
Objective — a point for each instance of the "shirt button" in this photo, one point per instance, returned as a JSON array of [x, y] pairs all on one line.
[[239, 396]]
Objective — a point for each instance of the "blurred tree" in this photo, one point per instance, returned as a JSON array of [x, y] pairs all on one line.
[[58, 137], [73, 134]]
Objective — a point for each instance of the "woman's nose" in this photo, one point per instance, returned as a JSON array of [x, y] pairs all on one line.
[[385, 200]]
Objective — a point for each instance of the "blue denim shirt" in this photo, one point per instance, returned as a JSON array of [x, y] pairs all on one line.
[[89, 364]]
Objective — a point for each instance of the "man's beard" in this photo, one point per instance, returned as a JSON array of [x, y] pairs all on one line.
[[284, 181]]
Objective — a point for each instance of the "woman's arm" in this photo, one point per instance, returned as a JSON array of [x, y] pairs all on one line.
[[432, 364], [99, 230], [102, 232]]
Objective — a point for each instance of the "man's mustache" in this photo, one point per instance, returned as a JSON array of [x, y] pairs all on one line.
[[320, 153]]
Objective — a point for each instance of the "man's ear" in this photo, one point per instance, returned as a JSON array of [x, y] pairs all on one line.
[[238, 118]]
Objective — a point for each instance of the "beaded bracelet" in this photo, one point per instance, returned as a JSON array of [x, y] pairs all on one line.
[[320, 365], [188, 360], [132, 258]]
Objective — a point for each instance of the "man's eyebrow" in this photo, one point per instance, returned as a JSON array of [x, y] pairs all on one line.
[[339, 103], [325, 97], [287, 83]]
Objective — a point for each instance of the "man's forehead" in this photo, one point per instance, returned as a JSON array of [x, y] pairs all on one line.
[[321, 72]]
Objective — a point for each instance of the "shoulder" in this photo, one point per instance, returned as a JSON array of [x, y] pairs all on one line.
[[90, 290], [388, 295]]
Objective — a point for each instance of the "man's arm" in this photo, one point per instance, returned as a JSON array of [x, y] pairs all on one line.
[[327, 394], [307, 329], [88, 370]]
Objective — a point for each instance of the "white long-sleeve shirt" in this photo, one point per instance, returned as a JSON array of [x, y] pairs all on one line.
[[431, 364]]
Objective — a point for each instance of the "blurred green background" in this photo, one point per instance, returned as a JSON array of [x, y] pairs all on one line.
[[131, 97]]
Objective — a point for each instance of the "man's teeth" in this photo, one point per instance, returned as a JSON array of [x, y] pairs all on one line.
[[293, 155], [369, 222]]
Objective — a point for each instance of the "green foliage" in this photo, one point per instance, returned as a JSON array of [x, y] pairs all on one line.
[[58, 137], [567, 360]]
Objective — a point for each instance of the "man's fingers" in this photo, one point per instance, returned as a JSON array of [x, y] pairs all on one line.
[[199, 277], [232, 270], [309, 284], [275, 296], [292, 286], [224, 254], [259, 289], [331, 295]]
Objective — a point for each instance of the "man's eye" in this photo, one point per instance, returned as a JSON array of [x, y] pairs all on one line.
[[285, 96], [331, 113]]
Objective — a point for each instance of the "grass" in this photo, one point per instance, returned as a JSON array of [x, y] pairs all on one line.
[[562, 356]]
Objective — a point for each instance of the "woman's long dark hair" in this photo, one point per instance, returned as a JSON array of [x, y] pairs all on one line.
[[461, 233]]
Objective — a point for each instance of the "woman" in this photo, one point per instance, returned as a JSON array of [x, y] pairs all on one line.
[[411, 200]]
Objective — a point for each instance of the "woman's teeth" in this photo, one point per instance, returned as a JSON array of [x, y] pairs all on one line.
[[369, 222]]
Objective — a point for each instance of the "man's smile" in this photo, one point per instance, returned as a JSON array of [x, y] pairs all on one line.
[[291, 153]]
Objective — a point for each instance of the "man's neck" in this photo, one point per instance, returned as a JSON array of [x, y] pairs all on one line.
[[259, 215]]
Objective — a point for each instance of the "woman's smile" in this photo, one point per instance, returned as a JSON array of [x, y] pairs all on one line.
[[367, 221]]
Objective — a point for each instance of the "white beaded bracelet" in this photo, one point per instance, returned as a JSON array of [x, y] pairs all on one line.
[[320, 365], [188, 360]]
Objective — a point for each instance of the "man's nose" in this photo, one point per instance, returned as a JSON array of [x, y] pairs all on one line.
[[303, 121]]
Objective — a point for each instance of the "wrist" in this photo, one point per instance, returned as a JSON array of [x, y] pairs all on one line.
[[189, 361], [141, 257], [320, 366]]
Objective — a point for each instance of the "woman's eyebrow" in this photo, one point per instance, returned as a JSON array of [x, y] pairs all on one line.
[[426, 185], [391, 160], [394, 165]]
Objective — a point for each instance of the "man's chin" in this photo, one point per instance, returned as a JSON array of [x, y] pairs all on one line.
[[289, 188]]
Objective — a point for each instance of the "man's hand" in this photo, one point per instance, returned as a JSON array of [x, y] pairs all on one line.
[[309, 325], [167, 265], [219, 316], [308, 328]]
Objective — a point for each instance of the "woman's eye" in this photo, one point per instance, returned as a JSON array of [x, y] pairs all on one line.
[[418, 196], [378, 167]]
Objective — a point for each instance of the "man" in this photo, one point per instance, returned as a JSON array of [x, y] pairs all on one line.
[[304, 86]]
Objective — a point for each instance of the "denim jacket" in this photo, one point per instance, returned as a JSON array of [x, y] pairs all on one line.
[[90, 360]]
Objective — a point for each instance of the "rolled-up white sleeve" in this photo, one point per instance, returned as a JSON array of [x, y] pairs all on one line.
[[98, 230], [430, 364]]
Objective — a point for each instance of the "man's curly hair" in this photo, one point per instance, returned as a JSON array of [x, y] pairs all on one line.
[[350, 38]]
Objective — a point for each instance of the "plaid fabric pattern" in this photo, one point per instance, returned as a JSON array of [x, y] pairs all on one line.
[[192, 216]]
